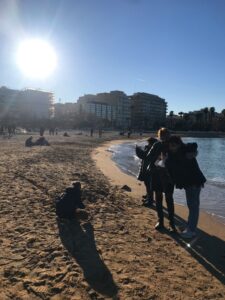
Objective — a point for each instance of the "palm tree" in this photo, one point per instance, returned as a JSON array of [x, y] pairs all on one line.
[[198, 116], [223, 112], [212, 113], [206, 113], [171, 114], [181, 114], [186, 116]]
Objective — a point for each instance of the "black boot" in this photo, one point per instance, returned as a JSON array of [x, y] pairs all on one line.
[[172, 227], [148, 202], [159, 225]]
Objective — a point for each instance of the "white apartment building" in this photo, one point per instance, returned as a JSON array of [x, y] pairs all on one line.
[[147, 110], [114, 106]]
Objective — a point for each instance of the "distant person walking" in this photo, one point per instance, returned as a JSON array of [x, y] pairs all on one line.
[[186, 174], [51, 131], [100, 133], [143, 175], [42, 131], [91, 132]]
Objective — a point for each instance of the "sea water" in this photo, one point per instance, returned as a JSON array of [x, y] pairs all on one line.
[[211, 161]]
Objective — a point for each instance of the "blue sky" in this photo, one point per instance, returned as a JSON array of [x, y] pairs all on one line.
[[172, 48]]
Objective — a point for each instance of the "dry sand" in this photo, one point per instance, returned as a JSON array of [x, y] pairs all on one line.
[[109, 251]]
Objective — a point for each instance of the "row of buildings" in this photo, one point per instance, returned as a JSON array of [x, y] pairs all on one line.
[[17, 105], [116, 109], [140, 110]]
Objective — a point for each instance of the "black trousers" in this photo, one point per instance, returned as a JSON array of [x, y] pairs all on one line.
[[149, 190], [170, 204]]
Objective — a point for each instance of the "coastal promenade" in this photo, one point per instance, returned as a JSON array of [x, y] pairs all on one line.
[[110, 251]]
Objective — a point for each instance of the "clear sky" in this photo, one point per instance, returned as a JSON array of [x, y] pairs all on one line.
[[171, 48]]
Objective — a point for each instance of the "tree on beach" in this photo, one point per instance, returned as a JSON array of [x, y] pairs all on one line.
[[199, 117], [171, 115], [186, 117], [181, 114], [223, 113], [212, 113], [206, 113]]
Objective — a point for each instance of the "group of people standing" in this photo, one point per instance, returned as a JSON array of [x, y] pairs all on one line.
[[99, 132], [167, 163]]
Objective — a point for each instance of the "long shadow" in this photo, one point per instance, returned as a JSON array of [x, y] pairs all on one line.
[[207, 249], [80, 242]]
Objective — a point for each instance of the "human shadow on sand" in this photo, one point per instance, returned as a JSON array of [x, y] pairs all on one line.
[[80, 242], [207, 249]]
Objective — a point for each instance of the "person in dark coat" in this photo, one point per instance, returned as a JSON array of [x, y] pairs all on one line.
[[29, 142], [100, 133], [186, 174], [66, 134], [41, 141], [144, 176], [42, 131], [69, 201], [161, 181]]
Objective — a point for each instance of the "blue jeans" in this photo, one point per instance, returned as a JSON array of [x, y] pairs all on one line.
[[193, 202]]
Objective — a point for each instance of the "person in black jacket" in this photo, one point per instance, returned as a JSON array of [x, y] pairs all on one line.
[[29, 142], [143, 175], [186, 174], [69, 201], [160, 179]]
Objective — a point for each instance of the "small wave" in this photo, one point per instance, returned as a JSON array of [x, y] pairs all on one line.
[[217, 179], [131, 172], [113, 149], [216, 182], [110, 150], [217, 216], [126, 170]]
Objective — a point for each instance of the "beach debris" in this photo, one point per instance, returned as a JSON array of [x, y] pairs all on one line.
[[76, 174], [66, 134], [126, 188]]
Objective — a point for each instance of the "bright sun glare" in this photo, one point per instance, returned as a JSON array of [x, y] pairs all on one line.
[[36, 58]]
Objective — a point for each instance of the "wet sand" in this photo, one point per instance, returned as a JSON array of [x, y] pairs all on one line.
[[109, 251]]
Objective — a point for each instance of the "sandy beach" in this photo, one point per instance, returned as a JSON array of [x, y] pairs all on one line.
[[110, 250]]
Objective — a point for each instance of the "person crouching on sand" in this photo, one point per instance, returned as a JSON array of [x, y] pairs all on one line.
[[160, 179], [186, 174], [143, 174], [69, 201]]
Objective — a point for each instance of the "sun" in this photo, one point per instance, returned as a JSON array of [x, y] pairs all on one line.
[[36, 58]]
